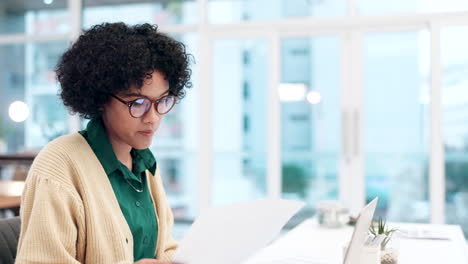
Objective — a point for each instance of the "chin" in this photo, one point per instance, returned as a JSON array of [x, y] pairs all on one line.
[[142, 145]]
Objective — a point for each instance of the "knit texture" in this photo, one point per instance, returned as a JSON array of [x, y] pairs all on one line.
[[70, 214]]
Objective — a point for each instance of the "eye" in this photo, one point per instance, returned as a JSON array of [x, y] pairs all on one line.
[[138, 102], [169, 99]]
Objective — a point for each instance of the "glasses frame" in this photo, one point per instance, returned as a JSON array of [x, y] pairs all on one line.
[[155, 102]]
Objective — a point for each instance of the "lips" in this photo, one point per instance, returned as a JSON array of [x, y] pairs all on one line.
[[146, 132]]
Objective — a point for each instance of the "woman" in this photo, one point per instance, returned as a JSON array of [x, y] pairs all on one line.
[[96, 196]]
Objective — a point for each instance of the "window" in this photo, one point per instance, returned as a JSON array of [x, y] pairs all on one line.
[[34, 17], [140, 11], [28, 76], [396, 126], [372, 7], [455, 126], [239, 125], [309, 94], [235, 11]]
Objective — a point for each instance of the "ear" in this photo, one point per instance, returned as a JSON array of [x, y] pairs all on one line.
[[102, 110], [103, 107]]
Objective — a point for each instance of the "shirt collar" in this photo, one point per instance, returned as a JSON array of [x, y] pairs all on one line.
[[143, 160]]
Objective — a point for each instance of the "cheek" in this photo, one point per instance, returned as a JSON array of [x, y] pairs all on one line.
[[120, 121], [157, 124]]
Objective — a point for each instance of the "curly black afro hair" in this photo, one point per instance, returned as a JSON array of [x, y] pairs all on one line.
[[110, 57]]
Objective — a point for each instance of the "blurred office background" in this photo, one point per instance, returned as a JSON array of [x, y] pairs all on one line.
[[300, 99]]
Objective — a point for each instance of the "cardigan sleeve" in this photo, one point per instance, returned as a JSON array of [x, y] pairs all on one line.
[[52, 223]]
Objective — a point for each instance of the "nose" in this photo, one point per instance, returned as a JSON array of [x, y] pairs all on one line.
[[152, 116]]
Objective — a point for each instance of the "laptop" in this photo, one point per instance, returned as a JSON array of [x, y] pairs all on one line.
[[355, 247]]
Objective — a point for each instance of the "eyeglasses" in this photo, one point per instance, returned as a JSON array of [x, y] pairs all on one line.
[[139, 107]]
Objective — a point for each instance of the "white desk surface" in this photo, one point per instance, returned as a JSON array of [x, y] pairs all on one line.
[[308, 242]]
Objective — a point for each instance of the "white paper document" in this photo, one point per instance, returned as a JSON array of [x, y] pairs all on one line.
[[231, 233]]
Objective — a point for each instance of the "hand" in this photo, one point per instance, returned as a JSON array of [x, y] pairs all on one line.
[[153, 261]]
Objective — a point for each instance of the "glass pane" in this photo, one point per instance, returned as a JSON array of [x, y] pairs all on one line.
[[34, 17], [239, 120], [234, 11], [140, 11], [28, 76], [175, 146], [310, 118], [396, 124], [372, 7], [455, 126]]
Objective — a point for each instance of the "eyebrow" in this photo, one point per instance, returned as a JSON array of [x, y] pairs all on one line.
[[141, 95]]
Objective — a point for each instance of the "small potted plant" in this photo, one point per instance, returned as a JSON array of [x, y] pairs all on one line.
[[388, 247]]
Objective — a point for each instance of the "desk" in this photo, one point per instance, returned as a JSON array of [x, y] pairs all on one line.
[[10, 194], [325, 245], [26, 159]]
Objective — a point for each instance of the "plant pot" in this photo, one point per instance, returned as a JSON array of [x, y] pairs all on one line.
[[389, 256], [390, 253]]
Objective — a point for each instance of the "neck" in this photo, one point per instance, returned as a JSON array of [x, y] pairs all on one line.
[[121, 150]]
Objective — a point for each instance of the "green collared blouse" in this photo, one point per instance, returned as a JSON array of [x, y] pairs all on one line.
[[137, 207]]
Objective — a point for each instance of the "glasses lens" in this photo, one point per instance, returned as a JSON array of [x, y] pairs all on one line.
[[165, 104], [140, 107]]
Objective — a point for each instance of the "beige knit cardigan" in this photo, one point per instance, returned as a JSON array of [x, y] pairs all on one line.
[[70, 214]]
